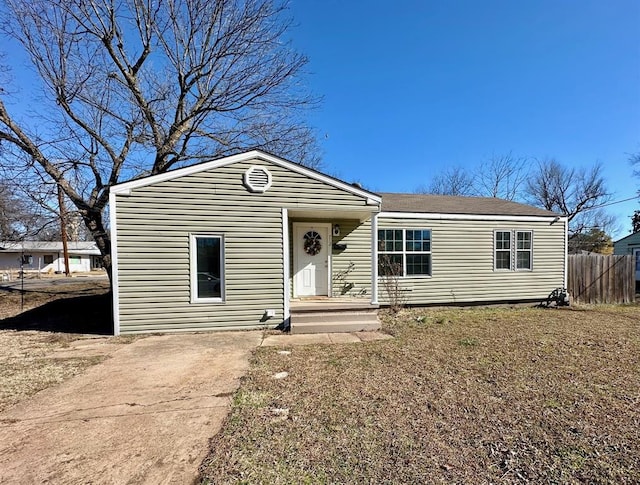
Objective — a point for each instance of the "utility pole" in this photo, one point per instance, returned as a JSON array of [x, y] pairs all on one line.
[[63, 231]]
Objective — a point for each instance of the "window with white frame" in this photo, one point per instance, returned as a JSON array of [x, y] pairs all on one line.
[[513, 250], [207, 268], [404, 252], [524, 250], [503, 250]]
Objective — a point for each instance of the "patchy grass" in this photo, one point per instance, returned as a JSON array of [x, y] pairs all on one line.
[[463, 396], [28, 361], [28, 366]]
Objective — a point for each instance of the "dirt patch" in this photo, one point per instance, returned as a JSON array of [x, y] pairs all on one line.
[[31, 360], [145, 415], [83, 307], [28, 364], [459, 396]]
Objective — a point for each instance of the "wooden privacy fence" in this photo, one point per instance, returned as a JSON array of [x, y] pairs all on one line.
[[601, 279]]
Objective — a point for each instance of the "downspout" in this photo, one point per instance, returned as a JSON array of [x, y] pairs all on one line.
[[566, 252], [286, 270]]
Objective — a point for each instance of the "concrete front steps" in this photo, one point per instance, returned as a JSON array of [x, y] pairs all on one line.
[[333, 317]]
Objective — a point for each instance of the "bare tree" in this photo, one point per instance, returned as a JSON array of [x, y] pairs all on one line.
[[501, 176], [575, 193], [137, 87], [453, 181], [390, 271], [22, 219]]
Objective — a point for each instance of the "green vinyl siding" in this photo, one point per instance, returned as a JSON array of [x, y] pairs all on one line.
[[462, 264], [154, 224], [627, 244], [350, 267]]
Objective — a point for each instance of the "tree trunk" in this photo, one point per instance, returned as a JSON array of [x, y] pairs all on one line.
[[93, 220]]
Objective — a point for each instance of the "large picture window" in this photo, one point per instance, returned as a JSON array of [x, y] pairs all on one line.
[[404, 252], [513, 250], [207, 268]]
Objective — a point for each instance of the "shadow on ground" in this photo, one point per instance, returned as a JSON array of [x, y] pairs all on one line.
[[82, 314]]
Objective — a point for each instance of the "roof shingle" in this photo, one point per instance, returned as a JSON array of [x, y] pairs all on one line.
[[450, 204]]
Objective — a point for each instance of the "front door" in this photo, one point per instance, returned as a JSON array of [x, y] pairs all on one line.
[[636, 253], [311, 244]]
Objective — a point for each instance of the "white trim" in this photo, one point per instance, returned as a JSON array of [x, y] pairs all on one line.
[[635, 252], [566, 252], [193, 269], [495, 250], [126, 187], [466, 217], [404, 252], [374, 260], [286, 271], [328, 226], [114, 263], [515, 248]]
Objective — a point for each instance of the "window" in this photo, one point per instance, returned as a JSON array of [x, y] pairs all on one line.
[[523, 250], [47, 259], [404, 252], [503, 250], [507, 253], [207, 268], [75, 260]]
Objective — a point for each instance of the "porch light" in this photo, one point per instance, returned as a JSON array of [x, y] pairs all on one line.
[[336, 229]]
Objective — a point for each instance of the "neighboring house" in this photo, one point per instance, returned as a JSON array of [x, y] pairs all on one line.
[[630, 245], [238, 242], [48, 257]]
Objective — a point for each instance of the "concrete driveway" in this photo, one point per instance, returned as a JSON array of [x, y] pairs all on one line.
[[145, 415]]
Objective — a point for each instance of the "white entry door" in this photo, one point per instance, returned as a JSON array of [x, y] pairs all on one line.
[[636, 253], [311, 244]]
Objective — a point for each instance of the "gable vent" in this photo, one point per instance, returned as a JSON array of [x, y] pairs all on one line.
[[257, 179]]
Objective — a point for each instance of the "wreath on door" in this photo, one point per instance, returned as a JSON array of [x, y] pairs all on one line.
[[312, 243]]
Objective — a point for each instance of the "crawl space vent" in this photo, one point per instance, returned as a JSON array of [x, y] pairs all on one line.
[[257, 179]]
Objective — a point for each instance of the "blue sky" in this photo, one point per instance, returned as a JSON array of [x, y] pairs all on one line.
[[411, 87]]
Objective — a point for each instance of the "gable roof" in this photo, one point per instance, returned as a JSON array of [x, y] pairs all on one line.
[[626, 237], [450, 204], [126, 187]]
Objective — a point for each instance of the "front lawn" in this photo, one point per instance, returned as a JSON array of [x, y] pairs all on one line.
[[466, 396]]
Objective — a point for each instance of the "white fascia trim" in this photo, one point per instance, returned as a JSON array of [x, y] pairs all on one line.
[[126, 187], [286, 270], [374, 260], [468, 217], [114, 264], [566, 252]]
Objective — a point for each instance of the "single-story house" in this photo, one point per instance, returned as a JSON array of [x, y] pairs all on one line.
[[48, 257], [630, 245], [247, 240]]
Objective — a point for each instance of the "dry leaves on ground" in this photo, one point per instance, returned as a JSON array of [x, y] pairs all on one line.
[[472, 396]]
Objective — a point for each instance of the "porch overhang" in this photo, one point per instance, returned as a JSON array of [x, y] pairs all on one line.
[[349, 213]]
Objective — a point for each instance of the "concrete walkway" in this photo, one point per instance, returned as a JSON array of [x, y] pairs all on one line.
[[283, 340], [145, 415]]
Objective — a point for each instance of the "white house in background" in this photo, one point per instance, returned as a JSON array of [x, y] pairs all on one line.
[[48, 257]]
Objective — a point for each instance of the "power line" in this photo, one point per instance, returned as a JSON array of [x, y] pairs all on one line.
[[613, 203]]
